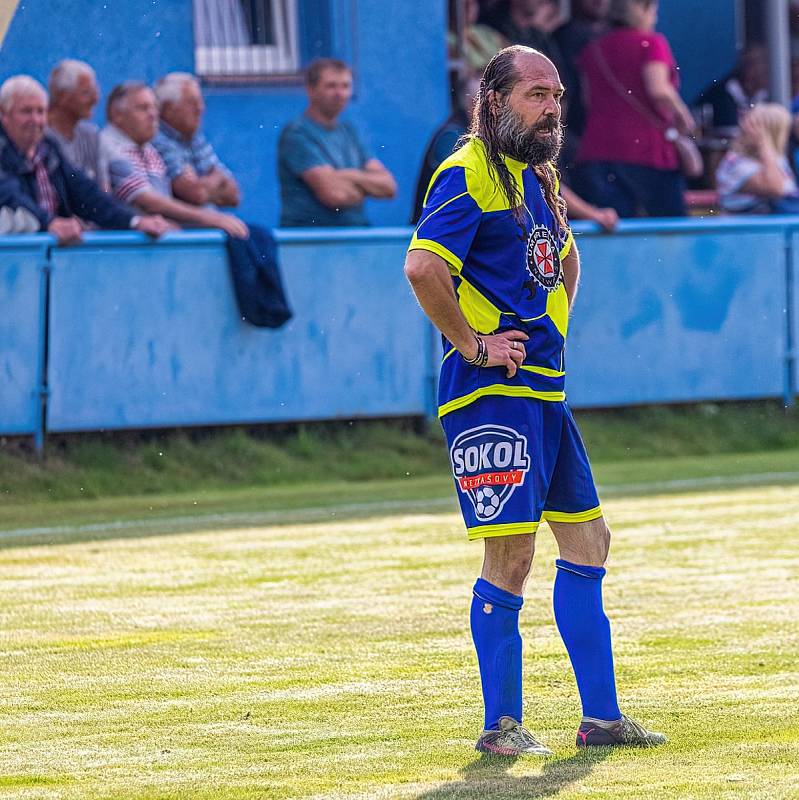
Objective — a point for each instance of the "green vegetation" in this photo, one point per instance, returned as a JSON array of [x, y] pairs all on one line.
[[331, 659], [151, 464]]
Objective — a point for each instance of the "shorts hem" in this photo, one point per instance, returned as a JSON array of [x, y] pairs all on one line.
[[572, 516], [508, 529]]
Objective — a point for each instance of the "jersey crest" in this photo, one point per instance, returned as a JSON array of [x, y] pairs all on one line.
[[543, 259]]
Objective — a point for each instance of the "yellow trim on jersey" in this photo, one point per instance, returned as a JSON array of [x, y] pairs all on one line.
[[448, 354], [454, 262], [558, 309], [550, 373], [509, 529], [577, 516], [481, 314], [502, 390], [567, 245], [443, 205]]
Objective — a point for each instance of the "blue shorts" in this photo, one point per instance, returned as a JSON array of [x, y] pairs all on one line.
[[517, 462]]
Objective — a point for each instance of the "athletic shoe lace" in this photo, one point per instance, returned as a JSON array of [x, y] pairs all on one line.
[[631, 730], [519, 737]]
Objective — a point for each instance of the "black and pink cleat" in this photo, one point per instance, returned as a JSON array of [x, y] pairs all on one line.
[[624, 732]]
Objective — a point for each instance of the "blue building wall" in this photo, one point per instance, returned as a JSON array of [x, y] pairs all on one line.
[[396, 48], [400, 79]]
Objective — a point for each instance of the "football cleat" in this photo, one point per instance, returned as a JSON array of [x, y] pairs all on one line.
[[624, 732], [511, 740]]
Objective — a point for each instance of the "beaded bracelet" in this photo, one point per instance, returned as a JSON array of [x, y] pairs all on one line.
[[481, 357]]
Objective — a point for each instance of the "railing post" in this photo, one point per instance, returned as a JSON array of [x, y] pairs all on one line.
[[431, 369], [789, 394], [40, 399]]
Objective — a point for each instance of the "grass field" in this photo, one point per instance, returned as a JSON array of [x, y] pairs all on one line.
[[312, 642]]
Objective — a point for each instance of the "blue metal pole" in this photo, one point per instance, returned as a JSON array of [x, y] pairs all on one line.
[[40, 399], [789, 395]]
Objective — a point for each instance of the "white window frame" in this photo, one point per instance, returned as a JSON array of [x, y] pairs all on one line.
[[252, 60]]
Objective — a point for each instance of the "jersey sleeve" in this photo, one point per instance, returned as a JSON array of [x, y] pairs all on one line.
[[449, 219]]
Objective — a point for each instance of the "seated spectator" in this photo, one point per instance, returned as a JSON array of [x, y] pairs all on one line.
[[531, 23], [197, 175], [733, 96], [324, 169], [754, 176], [73, 96], [137, 172], [626, 158], [35, 177]]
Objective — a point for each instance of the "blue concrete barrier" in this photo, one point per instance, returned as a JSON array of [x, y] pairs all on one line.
[[679, 312], [144, 334], [148, 335], [22, 327]]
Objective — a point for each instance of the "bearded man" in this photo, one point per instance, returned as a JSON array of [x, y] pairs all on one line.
[[494, 265]]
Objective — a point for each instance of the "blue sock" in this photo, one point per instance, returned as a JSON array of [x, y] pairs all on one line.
[[495, 631], [585, 631]]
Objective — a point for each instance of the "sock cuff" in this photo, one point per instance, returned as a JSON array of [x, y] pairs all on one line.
[[583, 570], [498, 597]]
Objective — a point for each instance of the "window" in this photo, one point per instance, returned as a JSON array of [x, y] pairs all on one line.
[[242, 38]]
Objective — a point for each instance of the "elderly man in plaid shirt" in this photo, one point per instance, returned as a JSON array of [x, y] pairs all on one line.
[[195, 171]]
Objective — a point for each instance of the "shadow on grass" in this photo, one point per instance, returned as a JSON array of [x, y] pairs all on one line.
[[488, 776]]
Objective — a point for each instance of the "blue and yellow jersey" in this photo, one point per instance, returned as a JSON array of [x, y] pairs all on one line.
[[504, 277]]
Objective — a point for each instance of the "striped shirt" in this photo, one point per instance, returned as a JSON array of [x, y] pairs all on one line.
[[132, 168], [83, 150], [46, 195], [179, 153]]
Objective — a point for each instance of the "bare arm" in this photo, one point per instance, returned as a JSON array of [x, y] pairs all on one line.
[[334, 188], [571, 273], [155, 203], [769, 181], [376, 180], [582, 209], [657, 83], [430, 279], [216, 187], [222, 187]]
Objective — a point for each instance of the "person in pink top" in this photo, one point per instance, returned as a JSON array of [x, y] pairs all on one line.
[[627, 159]]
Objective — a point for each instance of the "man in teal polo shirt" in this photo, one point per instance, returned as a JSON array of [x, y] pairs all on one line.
[[324, 169]]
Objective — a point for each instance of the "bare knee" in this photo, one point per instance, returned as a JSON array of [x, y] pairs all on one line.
[[508, 560], [583, 542]]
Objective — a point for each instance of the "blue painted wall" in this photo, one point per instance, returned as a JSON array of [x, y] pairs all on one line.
[[400, 71], [145, 334], [396, 48], [703, 36]]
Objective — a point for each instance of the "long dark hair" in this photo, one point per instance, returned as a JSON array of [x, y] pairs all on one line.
[[500, 77]]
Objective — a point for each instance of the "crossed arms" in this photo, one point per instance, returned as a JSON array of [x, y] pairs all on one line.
[[342, 188]]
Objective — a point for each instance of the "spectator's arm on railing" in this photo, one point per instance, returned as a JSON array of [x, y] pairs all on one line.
[[657, 83], [582, 209], [90, 202], [334, 188], [155, 203]]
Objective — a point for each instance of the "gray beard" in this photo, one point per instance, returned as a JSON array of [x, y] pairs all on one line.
[[520, 141]]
